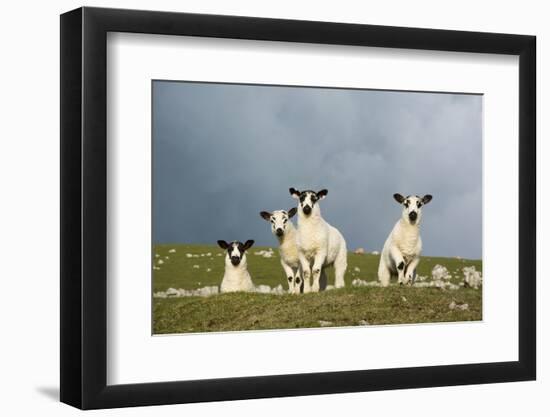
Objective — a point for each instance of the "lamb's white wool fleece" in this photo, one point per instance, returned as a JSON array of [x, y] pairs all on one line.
[[236, 277], [319, 244], [285, 232], [401, 252]]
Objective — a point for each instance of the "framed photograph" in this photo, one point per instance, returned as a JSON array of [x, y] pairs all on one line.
[[258, 208]]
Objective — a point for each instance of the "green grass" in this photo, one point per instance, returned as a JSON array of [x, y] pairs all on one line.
[[344, 307]]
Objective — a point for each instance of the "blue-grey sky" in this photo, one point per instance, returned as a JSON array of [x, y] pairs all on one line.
[[224, 152]]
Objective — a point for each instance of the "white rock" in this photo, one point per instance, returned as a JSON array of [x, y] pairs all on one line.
[[171, 292], [156, 255], [440, 272], [329, 287], [207, 291], [189, 255], [357, 269], [264, 289], [160, 261], [278, 290], [325, 323], [375, 252], [455, 306], [265, 253], [196, 266], [172, 251], [208, 269], [363, 323], [472, 278], [359, 251], [362, 283], [209, 254], [403, 299], [166, 257]]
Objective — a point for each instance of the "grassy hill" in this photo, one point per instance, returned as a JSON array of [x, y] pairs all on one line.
[[195, 266]]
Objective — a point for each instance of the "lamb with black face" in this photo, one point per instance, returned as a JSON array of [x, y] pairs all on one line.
[[283, 228], [412, 206], [307, 199], [235, 250], [236, 276], [401, 253]]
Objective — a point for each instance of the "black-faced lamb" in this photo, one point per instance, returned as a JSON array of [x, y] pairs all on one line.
[[319, 244], [401, 252], [236, 276]]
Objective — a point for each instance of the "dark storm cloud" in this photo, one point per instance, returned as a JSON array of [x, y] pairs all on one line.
[[223, 153]]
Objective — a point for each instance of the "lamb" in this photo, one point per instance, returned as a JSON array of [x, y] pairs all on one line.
[[284, 230], [401, 252], [236, 276], [319, 244]]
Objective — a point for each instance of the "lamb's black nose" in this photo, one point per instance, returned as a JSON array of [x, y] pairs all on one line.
[[307, 210], [413, 216], [279, 232], [235, 260]]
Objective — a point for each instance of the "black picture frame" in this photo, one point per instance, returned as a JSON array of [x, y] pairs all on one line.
[[84, 207]]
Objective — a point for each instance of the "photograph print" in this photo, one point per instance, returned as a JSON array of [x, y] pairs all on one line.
[[286, 207]]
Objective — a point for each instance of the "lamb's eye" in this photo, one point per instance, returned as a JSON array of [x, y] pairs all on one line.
[[284, 221], [418, 204]]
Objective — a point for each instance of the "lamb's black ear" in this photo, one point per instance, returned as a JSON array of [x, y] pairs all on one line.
[[426, 199], [223, 244], [399, 198], [322, 194], [294, 192], [292, 212], [248, 244], [265, 215]]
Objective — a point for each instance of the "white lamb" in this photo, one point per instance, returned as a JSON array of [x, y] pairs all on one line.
[[319, 244], [236, 276], [401, 252], [283, 228]]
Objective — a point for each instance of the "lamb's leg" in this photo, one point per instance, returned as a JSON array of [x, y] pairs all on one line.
[[306, 272], [384, 273], [340, 266], [318, 263], [298, 282], [323, 281], [289, 273], [410, 271], [397, 257]]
